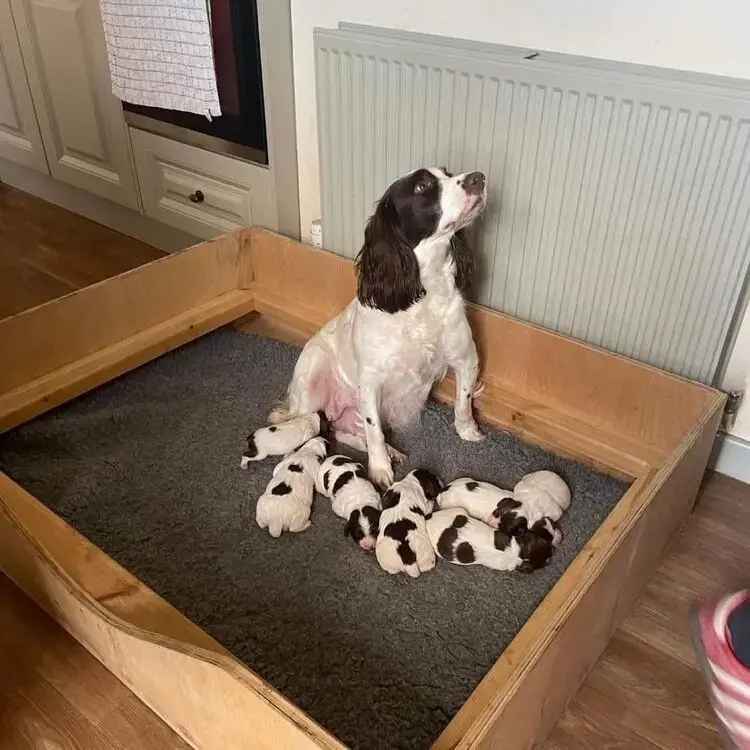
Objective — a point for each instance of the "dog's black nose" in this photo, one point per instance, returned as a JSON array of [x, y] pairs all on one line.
[[474, 183]]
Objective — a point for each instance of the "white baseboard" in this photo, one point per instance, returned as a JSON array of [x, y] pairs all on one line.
[[731, 456], [102, 211]]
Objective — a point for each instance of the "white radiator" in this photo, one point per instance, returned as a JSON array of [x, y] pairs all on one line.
[[619, 208]]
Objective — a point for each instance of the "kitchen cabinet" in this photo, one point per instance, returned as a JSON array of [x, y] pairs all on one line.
[[81, 122], [20, 139]]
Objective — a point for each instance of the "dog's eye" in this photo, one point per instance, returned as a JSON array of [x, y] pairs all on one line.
[[421, 186]]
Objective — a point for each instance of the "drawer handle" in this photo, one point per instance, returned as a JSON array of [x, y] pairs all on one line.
[[196, 197]]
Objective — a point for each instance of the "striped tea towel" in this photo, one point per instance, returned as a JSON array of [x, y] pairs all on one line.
[[160, 54]]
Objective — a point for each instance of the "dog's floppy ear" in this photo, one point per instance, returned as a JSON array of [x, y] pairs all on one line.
[[387, 269], [429, 482], [535, 551], [463, 260], [351, 523]]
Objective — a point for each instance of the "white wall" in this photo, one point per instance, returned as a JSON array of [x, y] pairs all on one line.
[[738, 377], [699, 35]]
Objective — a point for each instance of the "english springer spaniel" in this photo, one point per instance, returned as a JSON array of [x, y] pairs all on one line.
[[539, 496], [352, 497], [375, 363], [403, 545], [460, 539], [287, 502], [280, 439], [480, 500]]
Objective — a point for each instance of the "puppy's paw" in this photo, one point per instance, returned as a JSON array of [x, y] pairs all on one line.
[[381, 475], [244, 462], [469, 431]]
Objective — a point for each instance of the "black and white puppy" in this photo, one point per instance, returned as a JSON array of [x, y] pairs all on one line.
[[353, 497], [403, 545], [285, 437], [538, 496], [287, 502], [458, 538], [480, 500], [373, 366]]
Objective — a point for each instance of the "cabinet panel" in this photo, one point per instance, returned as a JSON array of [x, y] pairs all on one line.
[[202, 193], [80, 119], [20, 140]]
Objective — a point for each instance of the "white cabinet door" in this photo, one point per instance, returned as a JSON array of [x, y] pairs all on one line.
[[81, 121], [20, 140]]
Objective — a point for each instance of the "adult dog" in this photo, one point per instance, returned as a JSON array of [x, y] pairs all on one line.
[[375, 363]]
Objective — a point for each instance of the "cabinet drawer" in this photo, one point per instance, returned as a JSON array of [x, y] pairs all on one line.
[[200, 192]]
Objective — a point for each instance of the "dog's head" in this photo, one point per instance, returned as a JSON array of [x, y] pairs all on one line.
[[537, 545], [425, 204], [363, 526]]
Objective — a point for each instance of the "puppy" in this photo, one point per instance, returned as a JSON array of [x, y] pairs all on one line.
[[480, 500], [538, 496], [403, 545], [287, 501], [460, 539], [353, 497], [280, 439]]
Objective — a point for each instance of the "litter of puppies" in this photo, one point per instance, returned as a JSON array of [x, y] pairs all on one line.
[[418, 520]]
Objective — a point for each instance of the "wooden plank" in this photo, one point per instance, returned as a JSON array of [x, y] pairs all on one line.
[[77, 377], [64, 330], [590, 384], [547, 661], [213, 701]]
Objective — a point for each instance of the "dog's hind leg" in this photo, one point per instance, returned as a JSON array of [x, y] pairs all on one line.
[[309, 387]]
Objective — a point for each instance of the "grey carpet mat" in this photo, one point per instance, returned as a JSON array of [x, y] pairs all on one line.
[[147, 468]]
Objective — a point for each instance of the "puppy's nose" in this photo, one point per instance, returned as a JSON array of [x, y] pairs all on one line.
[[474, 183]]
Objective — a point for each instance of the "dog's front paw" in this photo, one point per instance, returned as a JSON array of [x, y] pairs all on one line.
[[381, 475], [469, 431]]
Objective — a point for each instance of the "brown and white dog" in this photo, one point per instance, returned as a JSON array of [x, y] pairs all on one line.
[[373, 366], [403, 545]]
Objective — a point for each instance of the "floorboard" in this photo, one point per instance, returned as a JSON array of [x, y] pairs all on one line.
[[645, 693]]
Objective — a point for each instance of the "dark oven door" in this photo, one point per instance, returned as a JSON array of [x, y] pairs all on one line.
[[241, 129]]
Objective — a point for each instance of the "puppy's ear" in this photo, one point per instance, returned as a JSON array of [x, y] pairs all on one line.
[[513, 524], [463, 260], [351, 524], [429, 482], [325, 426], [535, 551], [387, 269]]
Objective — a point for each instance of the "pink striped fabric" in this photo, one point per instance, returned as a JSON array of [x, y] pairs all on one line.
[[730, 679]]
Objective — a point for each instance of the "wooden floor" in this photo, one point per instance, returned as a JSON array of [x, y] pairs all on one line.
[[644, 693], [46, 252]]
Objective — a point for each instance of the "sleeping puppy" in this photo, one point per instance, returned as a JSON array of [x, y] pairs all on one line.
[[403, 545], [283, 438], [353, 497], [458, 538], [480, 500], [538, 496], [287, 501]]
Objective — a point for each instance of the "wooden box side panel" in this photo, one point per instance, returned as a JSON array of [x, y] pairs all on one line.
[[52, 335], [182, 674], [304, 287], [573, 627]]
